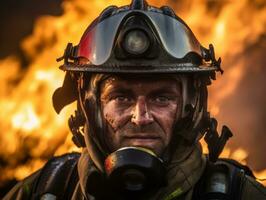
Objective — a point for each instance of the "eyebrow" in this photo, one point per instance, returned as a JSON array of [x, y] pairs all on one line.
[[116, 89], [164, 90], [119, 89]]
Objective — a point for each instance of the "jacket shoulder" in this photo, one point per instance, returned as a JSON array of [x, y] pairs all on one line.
[[23, 189], [253, 189], [58, 177], [228, 179], [249, 187]]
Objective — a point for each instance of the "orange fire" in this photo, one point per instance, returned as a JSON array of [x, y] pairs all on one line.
[[31, 130]]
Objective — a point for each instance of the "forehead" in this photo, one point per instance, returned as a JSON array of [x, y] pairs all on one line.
[[141, 82]]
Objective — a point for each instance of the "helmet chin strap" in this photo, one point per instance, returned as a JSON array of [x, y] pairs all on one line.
[[194, 111], [93, 148]]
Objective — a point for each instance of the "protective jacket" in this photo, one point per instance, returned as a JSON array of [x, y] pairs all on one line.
[[73, 176]]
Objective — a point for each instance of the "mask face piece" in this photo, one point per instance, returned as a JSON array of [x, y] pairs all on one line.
[[134, 170]]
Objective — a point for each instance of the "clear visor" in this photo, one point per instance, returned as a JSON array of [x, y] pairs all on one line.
[[96, 44]]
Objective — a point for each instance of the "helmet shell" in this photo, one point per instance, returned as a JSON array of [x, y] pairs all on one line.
[[173, 48]]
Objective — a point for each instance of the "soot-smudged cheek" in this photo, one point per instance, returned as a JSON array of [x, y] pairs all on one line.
[[165, 118], [116, 117]]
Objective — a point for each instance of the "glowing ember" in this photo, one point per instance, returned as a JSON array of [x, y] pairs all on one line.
[[32, 132]]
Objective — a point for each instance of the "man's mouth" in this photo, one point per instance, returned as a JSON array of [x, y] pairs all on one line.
[[142, 136], [142, 140]]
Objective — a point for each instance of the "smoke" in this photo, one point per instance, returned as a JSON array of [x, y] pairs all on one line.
[[17, 19]]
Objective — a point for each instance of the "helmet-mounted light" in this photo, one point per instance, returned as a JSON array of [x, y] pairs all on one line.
[[136, 42]]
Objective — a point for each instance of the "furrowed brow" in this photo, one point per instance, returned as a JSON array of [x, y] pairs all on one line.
[[165, 90], [115, 89]]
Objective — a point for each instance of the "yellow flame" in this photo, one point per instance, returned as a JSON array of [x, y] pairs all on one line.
[[27, 118]]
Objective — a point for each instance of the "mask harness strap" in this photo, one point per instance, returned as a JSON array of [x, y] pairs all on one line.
[[215, 142], [76, 123]]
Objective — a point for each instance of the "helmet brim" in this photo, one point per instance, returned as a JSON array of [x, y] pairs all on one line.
[[113, 68]]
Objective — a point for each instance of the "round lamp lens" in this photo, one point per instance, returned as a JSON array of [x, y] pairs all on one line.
[[136, 42]]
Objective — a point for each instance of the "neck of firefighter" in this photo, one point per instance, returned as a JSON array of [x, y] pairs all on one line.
[[140, 111]]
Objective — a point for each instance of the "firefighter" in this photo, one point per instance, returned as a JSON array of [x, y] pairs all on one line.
[[140, 78]]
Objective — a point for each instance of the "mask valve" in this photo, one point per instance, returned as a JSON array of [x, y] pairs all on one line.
[[133, 170]]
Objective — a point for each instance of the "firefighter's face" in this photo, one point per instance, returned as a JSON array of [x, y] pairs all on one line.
[[140, 111]]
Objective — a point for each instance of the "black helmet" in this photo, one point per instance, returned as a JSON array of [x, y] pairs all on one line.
[[136, 39]]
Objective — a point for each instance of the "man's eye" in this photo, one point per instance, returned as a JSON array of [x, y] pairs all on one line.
[[122, 99], [161, 99]]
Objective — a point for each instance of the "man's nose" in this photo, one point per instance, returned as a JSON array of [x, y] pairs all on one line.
[[141, 114]]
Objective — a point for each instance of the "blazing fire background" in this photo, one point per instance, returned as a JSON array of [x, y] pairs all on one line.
[[35, 32]]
